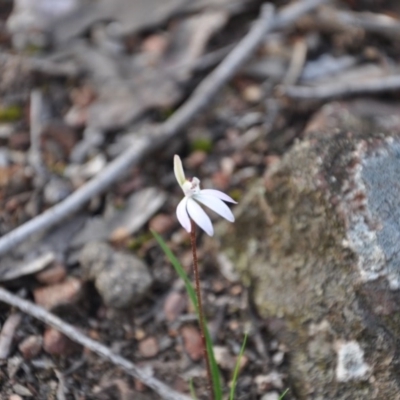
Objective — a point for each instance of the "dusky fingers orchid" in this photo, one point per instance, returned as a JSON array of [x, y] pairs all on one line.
[[189, 207]]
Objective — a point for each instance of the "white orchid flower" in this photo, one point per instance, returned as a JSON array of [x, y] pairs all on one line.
[[189, 207]]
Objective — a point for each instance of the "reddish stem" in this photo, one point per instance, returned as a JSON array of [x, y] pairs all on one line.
[[200, 309]]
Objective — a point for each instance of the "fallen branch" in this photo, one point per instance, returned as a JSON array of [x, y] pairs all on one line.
[[377, 23], [200, 98], [332, 90], [68, 330], [44, 65], [371, 22]]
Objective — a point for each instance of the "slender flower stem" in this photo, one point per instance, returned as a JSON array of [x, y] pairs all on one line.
[[200, 309]]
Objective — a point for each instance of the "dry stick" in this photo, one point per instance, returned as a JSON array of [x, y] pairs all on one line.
[[331, 90], [200, 309], [297, 61], [371, 22], [68, 330], [7, 334], [200, 98], [35, 153], [44, 65], [331, 19]]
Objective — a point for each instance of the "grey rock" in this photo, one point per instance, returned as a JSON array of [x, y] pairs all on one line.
[[125, 283], [319, 239], [56, 190], [121, 279], [94, 258]]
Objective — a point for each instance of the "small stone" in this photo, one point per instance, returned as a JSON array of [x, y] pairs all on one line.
[[192, 342], [13, 365], [174, 305], [236, 290], [67, 292], [57, 344], [56, 190], [31, 346], [155, 44], [227, 165], [76, 117], [140, 334], [6, 130], [15, 397], [270, 396], [273, 380], [161, 223], [4, 156], [54, 274], [124, 284], [22, 390], [252, 93], [148, 347], [94, 257], [278, 357], [121, 279], [94, 166], [224, 358], [196, 159], [119, 235]]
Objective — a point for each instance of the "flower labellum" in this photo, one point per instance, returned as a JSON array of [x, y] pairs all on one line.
[[189, 207]]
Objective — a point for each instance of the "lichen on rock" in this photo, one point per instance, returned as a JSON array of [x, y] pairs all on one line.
[[318, 240]]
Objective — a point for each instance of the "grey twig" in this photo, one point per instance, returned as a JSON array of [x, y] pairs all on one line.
[[370, 22], [7, 334], [297, 61], [332, 90], [36, 131], [44, 65], [48, 318], [200, 98]]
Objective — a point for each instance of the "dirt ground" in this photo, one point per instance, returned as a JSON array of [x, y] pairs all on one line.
[[78, 85]]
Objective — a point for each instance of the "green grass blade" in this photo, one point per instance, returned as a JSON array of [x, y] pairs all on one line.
[[178, 268], [283, 394], [237, 368], [216, 378], [191, 388]]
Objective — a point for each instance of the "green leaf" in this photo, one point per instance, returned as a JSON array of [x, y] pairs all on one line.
[[178, 268], [192, 295], [202, 144], [283, 394], [237, 368], [10, 113]]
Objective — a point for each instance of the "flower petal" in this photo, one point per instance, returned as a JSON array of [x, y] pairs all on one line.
[[182, 214], [178, 170], [199, 216], [215, 204], [220, 195]]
